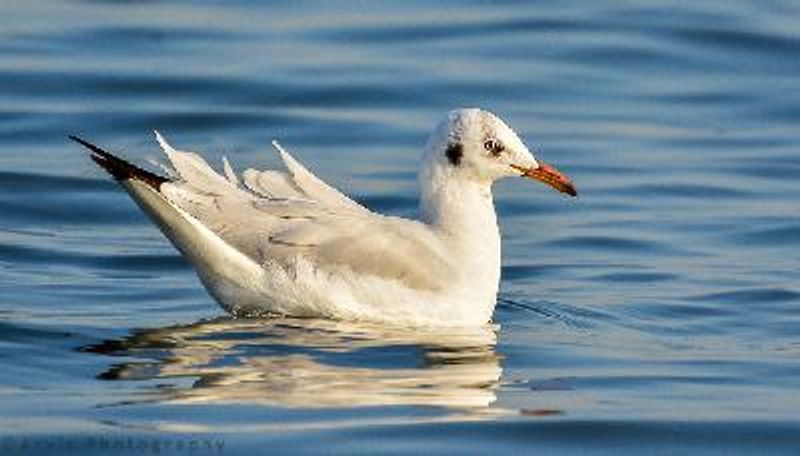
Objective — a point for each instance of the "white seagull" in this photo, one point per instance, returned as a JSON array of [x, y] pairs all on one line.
[[285, 242]]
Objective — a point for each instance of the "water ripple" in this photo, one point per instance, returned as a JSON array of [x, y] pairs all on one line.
[[611, 243], [779, 236], [572, 316], [50, 256], [752, 296]]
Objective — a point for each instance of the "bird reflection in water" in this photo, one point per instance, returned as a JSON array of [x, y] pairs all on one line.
[[307, 363]]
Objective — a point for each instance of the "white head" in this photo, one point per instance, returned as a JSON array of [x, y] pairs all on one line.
[[476, 145]]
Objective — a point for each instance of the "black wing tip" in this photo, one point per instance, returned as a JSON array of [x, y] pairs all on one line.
[[118, 168], [81, 141]]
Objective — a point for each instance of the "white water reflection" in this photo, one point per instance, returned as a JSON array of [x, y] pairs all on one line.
[[309, 364]]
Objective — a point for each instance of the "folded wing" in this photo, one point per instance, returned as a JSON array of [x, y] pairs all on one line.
[[276, 216]]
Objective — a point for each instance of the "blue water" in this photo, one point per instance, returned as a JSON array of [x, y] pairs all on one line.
[[658, 313]]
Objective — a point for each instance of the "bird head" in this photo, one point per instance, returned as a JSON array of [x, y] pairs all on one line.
[[479, 145]]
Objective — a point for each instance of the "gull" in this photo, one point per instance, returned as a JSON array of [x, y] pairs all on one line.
[[286, 243]]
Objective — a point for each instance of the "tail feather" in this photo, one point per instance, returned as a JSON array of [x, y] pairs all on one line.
[[118, 168]]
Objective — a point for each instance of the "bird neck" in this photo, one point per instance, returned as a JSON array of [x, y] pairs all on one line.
[[459, 207], [461, 212]]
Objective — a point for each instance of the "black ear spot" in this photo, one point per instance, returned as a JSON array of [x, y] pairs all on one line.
[[454, 153]]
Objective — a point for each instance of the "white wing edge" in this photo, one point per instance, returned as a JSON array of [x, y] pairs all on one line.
[[229, 172], [313, 186], [191, 167]]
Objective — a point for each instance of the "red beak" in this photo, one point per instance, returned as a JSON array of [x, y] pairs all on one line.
[[550, 176]]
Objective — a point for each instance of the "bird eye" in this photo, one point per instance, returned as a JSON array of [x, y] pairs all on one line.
[[493, 146]]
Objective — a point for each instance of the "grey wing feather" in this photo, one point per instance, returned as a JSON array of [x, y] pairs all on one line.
[[277, 216], [271, 184]]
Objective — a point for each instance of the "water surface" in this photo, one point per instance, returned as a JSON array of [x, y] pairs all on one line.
[[657, 313]]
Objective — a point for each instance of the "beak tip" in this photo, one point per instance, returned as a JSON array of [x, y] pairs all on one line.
[[550, 176]]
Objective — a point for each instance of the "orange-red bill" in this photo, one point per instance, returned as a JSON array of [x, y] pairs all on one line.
[[550, 176]]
